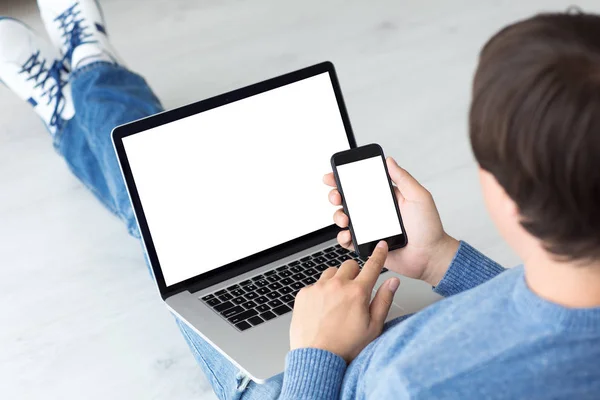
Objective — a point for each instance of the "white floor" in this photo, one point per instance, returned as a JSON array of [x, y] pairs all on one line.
[[79, 316]]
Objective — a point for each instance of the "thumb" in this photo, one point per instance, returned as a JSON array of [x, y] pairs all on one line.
[[409, 187], [380, 306]]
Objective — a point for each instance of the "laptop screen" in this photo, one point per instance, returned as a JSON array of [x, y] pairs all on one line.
[[238, 179]]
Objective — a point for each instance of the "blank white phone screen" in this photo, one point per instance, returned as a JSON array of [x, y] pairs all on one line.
[[369, 200], [235, 180]]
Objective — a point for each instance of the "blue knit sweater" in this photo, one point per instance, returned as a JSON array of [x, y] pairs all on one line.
[[491, 338]]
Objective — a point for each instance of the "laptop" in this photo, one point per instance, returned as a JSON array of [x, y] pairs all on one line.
[[233, 214]]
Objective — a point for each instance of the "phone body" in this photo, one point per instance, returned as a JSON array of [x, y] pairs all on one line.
[[368, 199]]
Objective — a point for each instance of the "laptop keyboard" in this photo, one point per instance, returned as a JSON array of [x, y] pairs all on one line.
[[271, 294]]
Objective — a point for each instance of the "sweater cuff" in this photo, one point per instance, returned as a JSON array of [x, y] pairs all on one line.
[[312, 374], [468, 269]]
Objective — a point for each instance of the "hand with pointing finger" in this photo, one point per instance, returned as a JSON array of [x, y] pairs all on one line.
[[430, 249], [336, 313]]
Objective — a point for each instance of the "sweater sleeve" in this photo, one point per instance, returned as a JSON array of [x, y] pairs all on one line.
[[312, 374], [468, 269]]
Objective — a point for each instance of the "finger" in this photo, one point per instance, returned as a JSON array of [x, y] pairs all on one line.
[[329, 180], [328, 273], [398, 195], [348, 270], [409, 186], [340, 218], [344, 238], [374, 265], [335, 198], [380, 306]]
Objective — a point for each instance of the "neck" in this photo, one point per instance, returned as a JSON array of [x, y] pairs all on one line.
[[570, 284]]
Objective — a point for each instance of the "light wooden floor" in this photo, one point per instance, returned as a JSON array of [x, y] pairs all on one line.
[[79, 315]]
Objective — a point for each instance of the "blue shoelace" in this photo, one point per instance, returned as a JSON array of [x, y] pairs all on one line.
[[74, 31], [54, 92]]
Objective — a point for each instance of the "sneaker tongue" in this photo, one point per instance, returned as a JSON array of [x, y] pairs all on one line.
[[88, 53]]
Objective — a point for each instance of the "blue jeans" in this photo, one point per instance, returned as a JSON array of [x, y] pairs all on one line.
[[105, 96]]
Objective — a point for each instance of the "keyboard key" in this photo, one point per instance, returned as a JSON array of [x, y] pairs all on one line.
[[263, 290], [287, 298], [337, 247], [223, 306], [353, 254], [342, 252], [321, 267], [309, 281], [237, 292], [250, 288], [273, 295], [294, 263], [246, 282], [345, 257], [242, 326], [220, 292], [320, 260], [287, 281], [267, 315], [239, 300], [286, 290], [297, 285], [213, 302], [275, 286], [282, 310], [311, 272], [331, 256], [282, 268], [327, 250], [261, 282], [317, 254], [262, 308], [286, 273], [207, 298], [261, 300], [233, 287], [296, 269], [232, 311], [305, 258], [257, 278], [299, 276], [273, 278], [255, 320], [242, 316], [275, 303], [308, 264], [271, 272], [225, 297], [249, 304], [251, 295]]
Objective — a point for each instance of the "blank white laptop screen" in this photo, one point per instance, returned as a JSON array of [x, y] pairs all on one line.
[[238, 179]]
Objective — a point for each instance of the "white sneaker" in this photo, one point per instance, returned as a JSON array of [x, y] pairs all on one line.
[[77, 28], [33, 69]]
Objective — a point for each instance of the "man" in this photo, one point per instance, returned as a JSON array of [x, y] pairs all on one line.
[[529, 332]]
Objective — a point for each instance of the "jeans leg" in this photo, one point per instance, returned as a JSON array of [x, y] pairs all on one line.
[[105, 96]]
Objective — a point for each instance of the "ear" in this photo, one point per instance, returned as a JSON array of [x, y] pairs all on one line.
[[494, 192]]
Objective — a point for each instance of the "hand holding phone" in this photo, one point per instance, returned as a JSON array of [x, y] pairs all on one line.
[[368, 198], [429, 250]]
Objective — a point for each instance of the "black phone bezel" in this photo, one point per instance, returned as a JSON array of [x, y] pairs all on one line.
[[356, 154], [254, 261]]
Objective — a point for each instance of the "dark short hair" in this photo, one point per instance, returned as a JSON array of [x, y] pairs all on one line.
[[535, 126]]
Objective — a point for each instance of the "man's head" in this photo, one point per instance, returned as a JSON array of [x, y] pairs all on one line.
[[535, 132]]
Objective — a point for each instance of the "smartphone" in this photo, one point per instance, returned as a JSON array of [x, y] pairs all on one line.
[[368, 198]]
